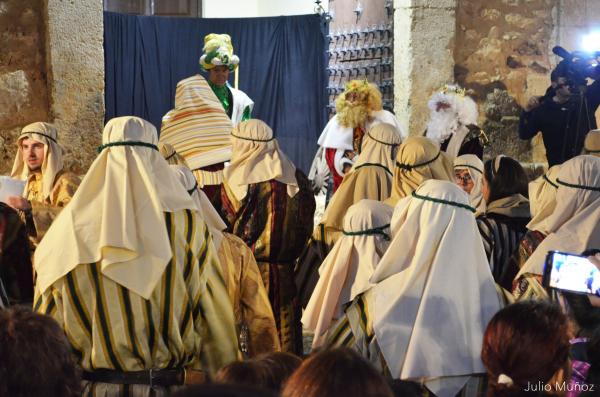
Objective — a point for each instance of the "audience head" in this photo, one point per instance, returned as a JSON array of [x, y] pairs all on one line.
[[524, 344], [278, 367], [35, 356], [503, 177], [337, 372], [241, 373], [223, 391]]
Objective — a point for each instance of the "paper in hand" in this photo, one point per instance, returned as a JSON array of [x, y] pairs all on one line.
[[10, 187]]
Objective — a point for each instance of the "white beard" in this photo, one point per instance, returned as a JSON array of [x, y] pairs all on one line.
[[442, 125]]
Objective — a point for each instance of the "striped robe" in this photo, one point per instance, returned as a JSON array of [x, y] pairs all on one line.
[[276, 228], [187, 322], [355, 331], [501, 236]]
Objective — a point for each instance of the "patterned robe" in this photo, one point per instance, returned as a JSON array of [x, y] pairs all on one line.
[[276, 228], [45, 210], [187, 322], [253, 314], [528, 286]]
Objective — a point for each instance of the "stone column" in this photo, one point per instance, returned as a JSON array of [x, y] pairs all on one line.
[[75, 66], [424, 34]]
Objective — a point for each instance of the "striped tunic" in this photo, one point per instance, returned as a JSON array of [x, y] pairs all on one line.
[[187, 322], [276, 228], [355, 331], [501, 236]]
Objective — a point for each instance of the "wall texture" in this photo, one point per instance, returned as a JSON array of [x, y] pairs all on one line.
[[23, 83], [52, 69], [503, 54]]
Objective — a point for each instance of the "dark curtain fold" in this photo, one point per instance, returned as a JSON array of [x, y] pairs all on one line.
[[282, 68]]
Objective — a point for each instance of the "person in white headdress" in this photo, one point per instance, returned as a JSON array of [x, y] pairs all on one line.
[[253, 314], [424, 318], [48, 186], [346, 271], [129, 271], [453, 123], [573, 226], [268, 203], [468, 174]]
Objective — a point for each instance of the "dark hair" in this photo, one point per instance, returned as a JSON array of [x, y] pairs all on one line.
[[222, 391], [585, 315], [278, 367], [593, 356], [35, 356], [241, 373], [337, 372], [526, 341], [508, 179]]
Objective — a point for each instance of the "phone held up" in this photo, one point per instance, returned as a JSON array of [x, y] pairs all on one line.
[[572, 273]]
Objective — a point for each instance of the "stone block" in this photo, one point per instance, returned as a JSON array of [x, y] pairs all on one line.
[[14, 94]]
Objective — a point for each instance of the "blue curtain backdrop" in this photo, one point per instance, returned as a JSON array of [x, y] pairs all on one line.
[[282, 68]]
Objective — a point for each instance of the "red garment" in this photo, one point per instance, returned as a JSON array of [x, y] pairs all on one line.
[[212, 191], [330, 159]]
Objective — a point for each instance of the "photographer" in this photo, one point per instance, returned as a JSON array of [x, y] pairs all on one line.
[[566, 113]]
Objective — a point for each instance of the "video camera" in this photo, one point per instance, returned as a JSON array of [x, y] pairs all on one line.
[[577, 66]]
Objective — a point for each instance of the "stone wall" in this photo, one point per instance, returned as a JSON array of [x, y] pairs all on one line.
[[23, 82], [52, 69], [503, 54]]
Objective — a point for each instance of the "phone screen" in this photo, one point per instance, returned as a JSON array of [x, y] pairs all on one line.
[[573, 273]]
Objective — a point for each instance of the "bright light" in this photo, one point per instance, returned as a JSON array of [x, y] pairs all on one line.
[[591, 42]]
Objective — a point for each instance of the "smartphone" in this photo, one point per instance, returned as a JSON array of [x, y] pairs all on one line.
[[570, 272]]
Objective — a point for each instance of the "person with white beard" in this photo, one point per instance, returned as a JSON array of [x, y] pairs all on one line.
[[453, 123]]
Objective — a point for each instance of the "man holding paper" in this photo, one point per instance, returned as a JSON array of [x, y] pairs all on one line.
[[48, 188]]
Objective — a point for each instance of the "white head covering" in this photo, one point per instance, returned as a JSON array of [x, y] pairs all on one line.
[[116, 217], [474, 165], [256, 157], [574, 225], [542, 199], [434, 292], [53, 162], [453, 120], [346, 270], [207, 211], [379, 146]]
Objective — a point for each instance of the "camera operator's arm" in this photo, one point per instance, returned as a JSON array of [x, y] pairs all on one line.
[[528, 125]]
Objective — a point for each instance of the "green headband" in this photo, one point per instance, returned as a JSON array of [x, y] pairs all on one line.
[[38, 133], [252, 139], [371, 232], [410, 167], [574, 186], [127, 143], [468, 166], [192, 190], [440, 201], [554, 185]]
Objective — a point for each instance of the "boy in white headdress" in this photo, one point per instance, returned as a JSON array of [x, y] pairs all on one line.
[[49, 187]]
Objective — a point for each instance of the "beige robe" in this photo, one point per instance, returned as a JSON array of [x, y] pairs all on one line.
[[253, 314], [45, 210]]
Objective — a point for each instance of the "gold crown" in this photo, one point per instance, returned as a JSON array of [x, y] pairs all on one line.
[[356, 84], [461, 92]]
